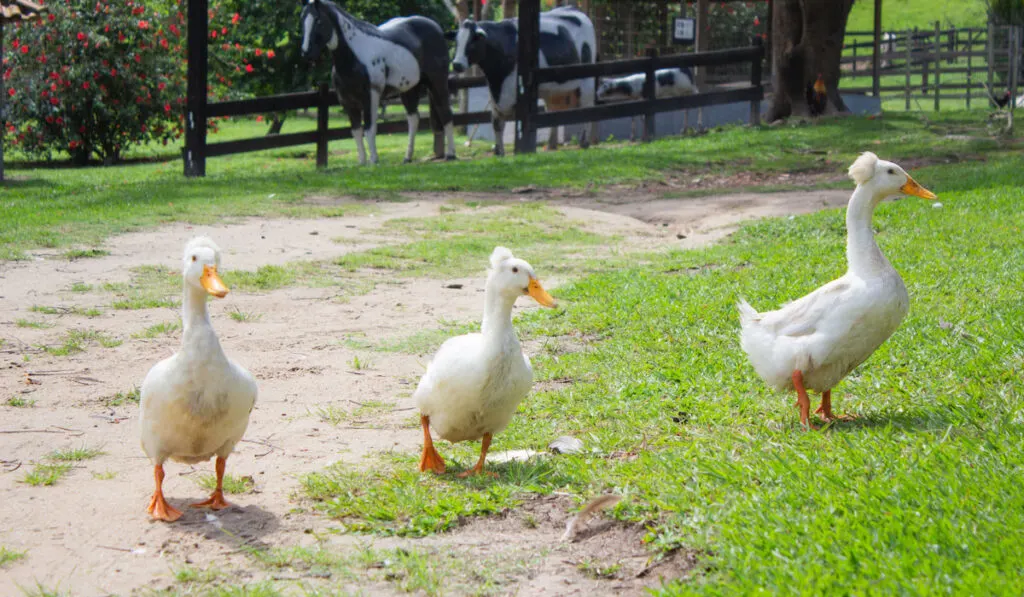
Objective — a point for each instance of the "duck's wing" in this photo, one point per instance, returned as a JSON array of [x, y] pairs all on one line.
[[805, 315]]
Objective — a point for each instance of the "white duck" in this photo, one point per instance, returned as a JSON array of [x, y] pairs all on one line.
[[475, 382], [815, 341], [195, 404]]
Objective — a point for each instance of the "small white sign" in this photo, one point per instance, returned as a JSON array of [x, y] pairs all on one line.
[[684, 30]]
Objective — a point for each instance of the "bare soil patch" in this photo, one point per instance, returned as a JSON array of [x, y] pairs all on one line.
[[89, 533]]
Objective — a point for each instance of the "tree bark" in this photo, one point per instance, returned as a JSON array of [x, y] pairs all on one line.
[[462, 10], [508, 9], [807, 40]]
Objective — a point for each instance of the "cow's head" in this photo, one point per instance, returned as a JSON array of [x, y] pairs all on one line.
[[469, 45], [317, 29]]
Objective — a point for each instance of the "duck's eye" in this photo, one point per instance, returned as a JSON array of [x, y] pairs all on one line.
[[193, 258], [892, 171], [515, 270]]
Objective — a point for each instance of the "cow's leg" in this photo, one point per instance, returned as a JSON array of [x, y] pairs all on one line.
[[411, 101], [371, 126], [587, 95], [441, 113], [355, 118], [499, 134]]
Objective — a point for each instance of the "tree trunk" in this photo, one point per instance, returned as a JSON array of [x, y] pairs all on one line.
[[807, 40], [508, 9], [462, 8]]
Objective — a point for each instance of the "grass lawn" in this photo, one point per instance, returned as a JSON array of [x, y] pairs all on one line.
[[920, 495], [60, 207], [907, 14]]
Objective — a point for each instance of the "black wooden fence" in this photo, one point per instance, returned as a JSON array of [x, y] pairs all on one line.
[[198, 110]]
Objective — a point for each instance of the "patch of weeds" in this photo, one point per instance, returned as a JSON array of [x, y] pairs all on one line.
[[358, 343], [159, 329], [38, 325], [73, 254], [427, 341], [151, 287], [104, 476], [267, 277], [333, 414], [232, 484], [120, 398], [41, 591], [398, 500], [316, 561], [9, 555], [75, 454], [370, 408], [142, 302], [48, 310], [412, 570], [19, 402], [45, 310], [75, 341], [192, 575], [80, 287], [46, 474], [360, 364], [244, 317], [597, 570]]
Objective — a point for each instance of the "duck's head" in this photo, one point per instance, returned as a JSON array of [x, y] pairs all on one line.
[[199, 266], [513, 277], [885, 179]]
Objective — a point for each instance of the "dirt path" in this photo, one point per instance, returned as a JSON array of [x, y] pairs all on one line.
[[89, 533]]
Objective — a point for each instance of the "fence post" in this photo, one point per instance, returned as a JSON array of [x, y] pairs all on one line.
[[755, 81], [855, 44], [650, 94], [195, 95], [951, 38], [906, 67], [938, 63], [970, 78], [925, 62], [526, 102], [991, 57], [322, 116], [876, 45]]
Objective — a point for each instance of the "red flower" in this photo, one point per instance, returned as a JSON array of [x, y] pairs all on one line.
[[161, 86], [259, 118], [225, 47], [167, 108], [95, 76], [138, 58], [143, 24], [81, 129], [174, 30], [54, 101], [270, 54], [51, 17], [53, 87], [163, 43], [60, 120], [757, 21], [238, 46], [113, 72], [259, 52], [106, 29], [81, 36], [11, 92], [49, 120], [121, 37], [224, 31], [213, 34], [248, 68], [74, 144], [235, 18], [24, 49], [85, 84]]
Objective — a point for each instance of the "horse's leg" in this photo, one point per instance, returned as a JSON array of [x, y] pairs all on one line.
[[411, 101], [355, 115], [371, 128]]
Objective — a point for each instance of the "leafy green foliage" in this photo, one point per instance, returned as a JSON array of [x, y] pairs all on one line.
[[93, 79], [9, 555]]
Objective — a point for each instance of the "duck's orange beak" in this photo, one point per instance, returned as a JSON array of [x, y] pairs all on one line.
[[212, 282], [539, 294], [912, 188]]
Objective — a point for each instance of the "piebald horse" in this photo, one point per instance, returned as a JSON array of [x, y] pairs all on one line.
[[403, 57]]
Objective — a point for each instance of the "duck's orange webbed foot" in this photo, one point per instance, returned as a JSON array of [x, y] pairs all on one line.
[[825, 409], [216, 501], [478, 469], [430, 460], [803, 401], [158, 506]]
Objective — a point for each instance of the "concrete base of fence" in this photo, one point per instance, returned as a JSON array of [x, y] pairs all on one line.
[[666, 123]]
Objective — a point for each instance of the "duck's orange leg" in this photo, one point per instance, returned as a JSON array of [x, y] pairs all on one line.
[[825, 409], [158, 506], [478, 469], [430, 460], [216, 501], [802, 400]]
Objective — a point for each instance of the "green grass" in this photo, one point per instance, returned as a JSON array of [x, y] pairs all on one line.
[[8, 556], [121, 398], [74, 254], [917, 496], [75, 454], [41, 591], [38, 325], [64, 207], [49, 310], [231, 483], [46, 474], [104, 476], [19, 402], [244, 316], [81, 287], [165, 328], [898, 15], [75, 342]]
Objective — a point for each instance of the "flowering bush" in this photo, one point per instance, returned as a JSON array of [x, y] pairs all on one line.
[[92, 79]]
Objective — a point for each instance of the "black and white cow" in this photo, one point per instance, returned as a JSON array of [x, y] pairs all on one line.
[[566, 37], [403, 57], [668, 82]]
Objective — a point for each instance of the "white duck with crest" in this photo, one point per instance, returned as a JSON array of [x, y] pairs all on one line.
[[476, 381], [815, 341], [196, 404]]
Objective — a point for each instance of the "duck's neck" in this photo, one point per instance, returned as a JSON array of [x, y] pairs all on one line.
[[862, 252], [195, 318], [497, 322]]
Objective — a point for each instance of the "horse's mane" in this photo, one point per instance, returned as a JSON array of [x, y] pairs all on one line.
[[367, 28]]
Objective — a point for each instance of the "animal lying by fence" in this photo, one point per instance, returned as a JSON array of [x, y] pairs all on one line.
[[566, 37], [668, 82], [404, 57]]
